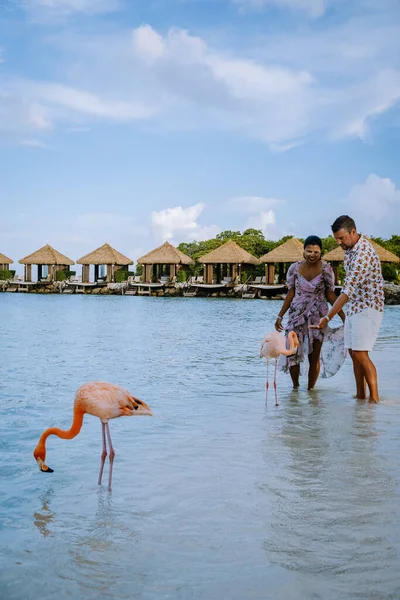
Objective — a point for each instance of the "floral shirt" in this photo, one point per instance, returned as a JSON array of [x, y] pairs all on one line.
[[364, 282]]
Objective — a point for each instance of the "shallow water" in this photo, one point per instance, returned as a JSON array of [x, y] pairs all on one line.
[[216, 496]]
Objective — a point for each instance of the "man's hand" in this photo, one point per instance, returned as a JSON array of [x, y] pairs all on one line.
[[323, 322]]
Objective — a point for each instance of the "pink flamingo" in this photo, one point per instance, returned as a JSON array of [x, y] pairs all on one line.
[[104, 400], [272, 346]]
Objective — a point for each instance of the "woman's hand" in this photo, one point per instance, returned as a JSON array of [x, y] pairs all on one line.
[[278, 324]]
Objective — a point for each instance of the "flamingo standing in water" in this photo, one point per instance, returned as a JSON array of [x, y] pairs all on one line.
[[104, 400], [272, 346]]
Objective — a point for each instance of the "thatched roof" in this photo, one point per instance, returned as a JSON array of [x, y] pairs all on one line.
[[289, 252], [228, 253], [166, 254], [105, 255], [4, 260], [337, 254], [46, 256]]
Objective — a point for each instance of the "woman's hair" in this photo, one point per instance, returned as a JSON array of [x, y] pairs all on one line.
[[313, 240]]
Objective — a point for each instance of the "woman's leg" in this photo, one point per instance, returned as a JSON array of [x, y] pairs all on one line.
[[295, 374], [313, 359]]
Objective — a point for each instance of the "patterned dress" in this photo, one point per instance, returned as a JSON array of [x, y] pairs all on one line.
[[309, 304]]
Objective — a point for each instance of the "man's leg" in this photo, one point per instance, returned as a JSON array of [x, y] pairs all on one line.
[[359, 377], [369, 370], [313, 359]]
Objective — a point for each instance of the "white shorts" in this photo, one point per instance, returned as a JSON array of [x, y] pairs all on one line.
[[361, 329]]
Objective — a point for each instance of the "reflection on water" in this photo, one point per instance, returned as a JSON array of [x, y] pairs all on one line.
[[42, 518], [217, 496]]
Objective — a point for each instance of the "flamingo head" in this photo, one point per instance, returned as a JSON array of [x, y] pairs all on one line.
[[40, 454], [140, 408]]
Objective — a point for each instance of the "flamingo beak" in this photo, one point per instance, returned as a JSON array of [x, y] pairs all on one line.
[[42, 467]]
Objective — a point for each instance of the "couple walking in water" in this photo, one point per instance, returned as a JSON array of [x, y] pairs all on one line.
[[311, 285]]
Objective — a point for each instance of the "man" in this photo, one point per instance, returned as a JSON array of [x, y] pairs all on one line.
[[363, 291]]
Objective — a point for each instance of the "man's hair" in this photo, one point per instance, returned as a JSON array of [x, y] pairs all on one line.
[[343, 222], [313, 240]]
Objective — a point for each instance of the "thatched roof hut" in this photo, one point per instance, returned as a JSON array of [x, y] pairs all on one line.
[[289, 252], [166, 254], [104, 255], [5, 262], [45, 256], [230, 254], [337, 254]]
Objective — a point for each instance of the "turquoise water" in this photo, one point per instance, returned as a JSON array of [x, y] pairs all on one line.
[[216, 496]]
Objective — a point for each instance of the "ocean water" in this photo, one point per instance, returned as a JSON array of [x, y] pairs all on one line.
[[215, 497]]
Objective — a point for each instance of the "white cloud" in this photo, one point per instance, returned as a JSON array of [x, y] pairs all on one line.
[[148, 43], [35, 144], [27, 106], [181, 223], [56, 10], [314, 8], [266, 221], [253, 204], [375, 206], [280, 88]]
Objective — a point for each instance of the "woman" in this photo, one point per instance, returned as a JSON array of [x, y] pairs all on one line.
[[311, 283]]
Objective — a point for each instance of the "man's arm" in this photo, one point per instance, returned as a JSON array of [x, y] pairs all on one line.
[[337, 306], [332, 299]]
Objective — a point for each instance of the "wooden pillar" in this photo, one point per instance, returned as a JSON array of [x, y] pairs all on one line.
[[28, 272], [270, 273], [147, 274], [234, 272], [85, 273], [335, 268], [110, 274], [208, 273]]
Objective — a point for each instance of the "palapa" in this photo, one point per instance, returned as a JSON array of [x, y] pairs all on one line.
[[46, 256], [166, 254], [289, 252], [337, 254], [105, 255], [229, 253], [4, 260]]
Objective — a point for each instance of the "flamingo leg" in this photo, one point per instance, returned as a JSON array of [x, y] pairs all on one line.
[[267, 384], [104, 452], [112, 454], [276, 393]]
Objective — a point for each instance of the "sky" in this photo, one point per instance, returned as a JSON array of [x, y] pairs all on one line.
[[135, 121]]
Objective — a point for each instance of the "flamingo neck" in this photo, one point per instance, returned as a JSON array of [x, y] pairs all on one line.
[[65, 434], [292, 346]]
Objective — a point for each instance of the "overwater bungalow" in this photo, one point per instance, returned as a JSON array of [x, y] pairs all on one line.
[[162, 264], [106, 261], [48, 261], [223, 265], [336, 256], [284, 255], [5, 262]]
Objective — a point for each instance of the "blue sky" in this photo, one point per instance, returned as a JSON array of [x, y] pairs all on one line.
[[135, 121]]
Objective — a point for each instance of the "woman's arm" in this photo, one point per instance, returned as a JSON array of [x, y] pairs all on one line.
[[285, 306], [332, 299]]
